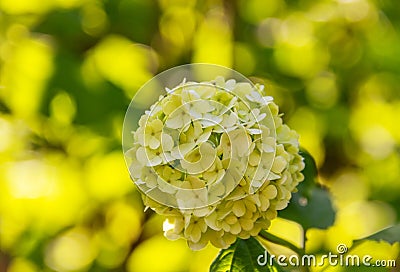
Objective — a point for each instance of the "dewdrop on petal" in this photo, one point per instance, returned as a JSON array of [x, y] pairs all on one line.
[[215, 159]]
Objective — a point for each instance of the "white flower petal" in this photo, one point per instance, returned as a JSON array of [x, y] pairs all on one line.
[[254, 131], [167, 142], [154, 143]]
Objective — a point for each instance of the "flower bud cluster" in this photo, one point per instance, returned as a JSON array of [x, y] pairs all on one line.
[[216, 159]]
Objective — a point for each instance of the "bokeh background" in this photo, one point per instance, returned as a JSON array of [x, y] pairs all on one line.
[[69, 69]]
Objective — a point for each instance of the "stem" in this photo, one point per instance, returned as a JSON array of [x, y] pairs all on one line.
[[277, 240]]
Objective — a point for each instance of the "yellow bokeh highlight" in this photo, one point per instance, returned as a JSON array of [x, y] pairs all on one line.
[[322, 91], [322, 11], [298, 53], [363, 218], [200, 261], [296, 30], [302, 61], [6, 134], [153, 254], [126, 64], [110, 254], [13, 134], [378, 250], [71, 251], [94, 19], [19, 265], [166, 4], [21, 184], [177, 25], [67, 4], [18, 7], [106, 177], [387, 183], [315, 239], [354, 10], [32, 187], [63, 108], [25, 6], [288, 230], [213, 40], [25, 75], [123, 223], [256, 10], [311, 130], [348, 187], [268, 32], [84, 143], [374, 124], [354, 221], [244, 59], [374, 119]]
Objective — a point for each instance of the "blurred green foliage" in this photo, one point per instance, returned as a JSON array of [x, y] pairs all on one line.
[[69, 69]]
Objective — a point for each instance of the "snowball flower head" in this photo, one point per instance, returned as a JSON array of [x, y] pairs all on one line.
[[216, 160]]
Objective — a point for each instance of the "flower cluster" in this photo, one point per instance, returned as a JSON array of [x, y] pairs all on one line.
[[216, 159]]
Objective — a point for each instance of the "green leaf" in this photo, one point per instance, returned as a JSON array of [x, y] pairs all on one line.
[[311, 206], [242, 256], [391, 235]]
